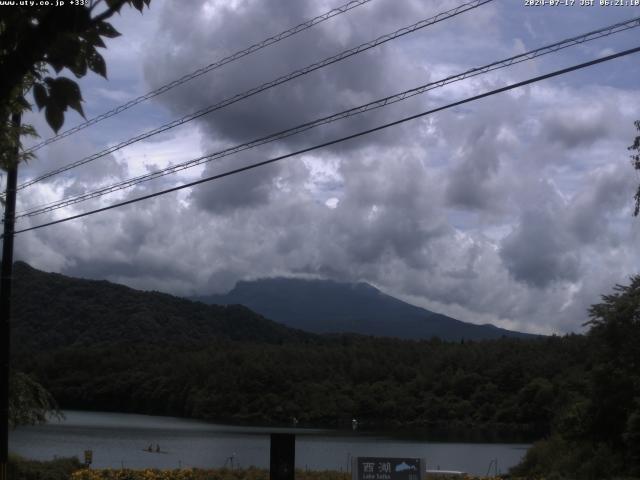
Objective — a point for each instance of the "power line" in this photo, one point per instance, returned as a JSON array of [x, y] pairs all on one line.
[[340, 140], [201, 71], [590, 36], [280, 80]]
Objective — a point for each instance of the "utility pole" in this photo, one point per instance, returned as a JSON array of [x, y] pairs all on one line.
[[5, 299]]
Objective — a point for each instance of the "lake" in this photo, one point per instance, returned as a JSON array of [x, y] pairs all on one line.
[[119, 440]]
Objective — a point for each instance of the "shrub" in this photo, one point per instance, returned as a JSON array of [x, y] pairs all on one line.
[[58, 469]]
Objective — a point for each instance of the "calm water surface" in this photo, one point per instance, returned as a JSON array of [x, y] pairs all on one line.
[[118, 440]]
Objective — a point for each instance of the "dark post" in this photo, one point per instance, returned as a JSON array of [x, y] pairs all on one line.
[[283, 456], [5, 304]]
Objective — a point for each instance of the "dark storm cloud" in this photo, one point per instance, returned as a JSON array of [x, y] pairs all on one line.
[[66, 184], [349, 83], [62, 153], [514, 209], [388, 212], [118, 270], [249, 189], [142, 247], [552, 238], [538, 253], [470, 184], [581, 127], [592, 216]]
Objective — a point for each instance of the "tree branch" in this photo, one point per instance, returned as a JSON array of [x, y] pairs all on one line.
[[108, 12]]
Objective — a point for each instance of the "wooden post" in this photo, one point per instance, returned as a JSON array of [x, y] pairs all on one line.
[[5, 304], [282, 456]]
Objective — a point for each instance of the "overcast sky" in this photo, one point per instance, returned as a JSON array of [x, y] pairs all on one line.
[[514, 210]]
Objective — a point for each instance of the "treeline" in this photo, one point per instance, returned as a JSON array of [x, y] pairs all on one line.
[[508, 388], [99, 346], [596, 435]]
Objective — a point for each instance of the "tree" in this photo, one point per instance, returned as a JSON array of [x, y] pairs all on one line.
[[36, 41], [636, 164], [597, 435], [615, 324], [615, 383], [30, 403]]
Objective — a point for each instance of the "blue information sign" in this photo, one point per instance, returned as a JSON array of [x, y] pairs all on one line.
[[386, 468]]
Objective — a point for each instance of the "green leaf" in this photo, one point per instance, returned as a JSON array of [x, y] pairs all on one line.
[[23, 103], [79, 69], [55, 62], [96, 63], [54, 115], [82, 19], [117, 4], [65, 89], [65, 92], [40, 95], [93, 38], [77, 106], [64, 52], [106, 30]]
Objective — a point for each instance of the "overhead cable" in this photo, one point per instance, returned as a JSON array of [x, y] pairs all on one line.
[[265, 86], [339, 140], [532, 54], [201, 71]]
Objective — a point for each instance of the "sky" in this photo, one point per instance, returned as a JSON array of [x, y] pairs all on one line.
[[514, 210]]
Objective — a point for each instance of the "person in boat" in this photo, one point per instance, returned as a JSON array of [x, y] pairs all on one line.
[[150, 448], [157, 448]]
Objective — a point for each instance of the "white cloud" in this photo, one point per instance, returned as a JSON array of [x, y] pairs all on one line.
[[513, 210]]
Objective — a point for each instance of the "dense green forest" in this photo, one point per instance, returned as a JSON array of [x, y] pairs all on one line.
[[53, 311], [597, 433], [511, 388], [97, 345], [100, 346]]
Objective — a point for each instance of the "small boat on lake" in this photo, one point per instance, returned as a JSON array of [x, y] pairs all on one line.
[[150, 449]]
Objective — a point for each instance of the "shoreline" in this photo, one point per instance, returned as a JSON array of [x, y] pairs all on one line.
[[408, 432]]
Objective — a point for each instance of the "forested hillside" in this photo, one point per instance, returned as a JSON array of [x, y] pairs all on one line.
[[505, 388], [596, 435], [97, 345], [53, 311], [101, 346]]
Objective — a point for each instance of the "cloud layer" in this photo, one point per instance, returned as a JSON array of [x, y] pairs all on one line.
[[515, 209]]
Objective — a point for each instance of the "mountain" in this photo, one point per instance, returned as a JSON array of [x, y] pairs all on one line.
[[324, 306], [53, 311], [100, 346]]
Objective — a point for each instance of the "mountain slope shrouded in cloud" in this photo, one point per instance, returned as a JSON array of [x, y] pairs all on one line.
[[324, 306]]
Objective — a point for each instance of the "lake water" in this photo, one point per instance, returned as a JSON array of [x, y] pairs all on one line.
[[119, 440]]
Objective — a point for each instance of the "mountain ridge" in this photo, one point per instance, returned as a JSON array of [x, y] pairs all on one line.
[[52, 311], [328, 306], [101, 346]]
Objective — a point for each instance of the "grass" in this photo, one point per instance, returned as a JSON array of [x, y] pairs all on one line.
[[58, 469]]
